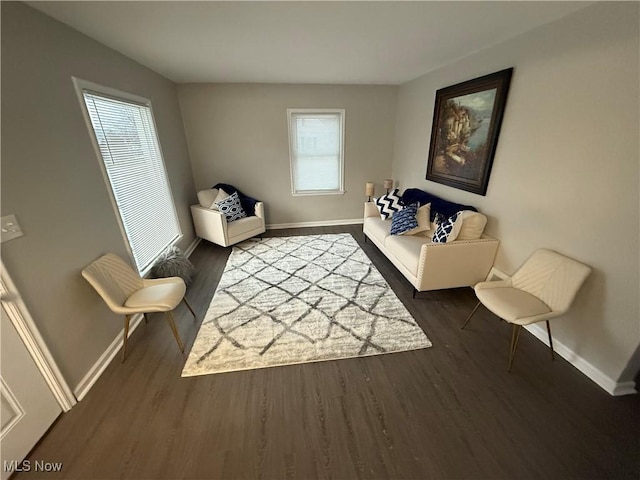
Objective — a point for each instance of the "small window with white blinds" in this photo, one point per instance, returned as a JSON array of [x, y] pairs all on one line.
[[316, 151], [126, 137]]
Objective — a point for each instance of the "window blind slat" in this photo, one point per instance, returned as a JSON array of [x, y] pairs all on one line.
[[128, 143]]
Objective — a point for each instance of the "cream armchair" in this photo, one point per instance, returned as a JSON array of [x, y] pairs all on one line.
[[213, 226], [543, 288]]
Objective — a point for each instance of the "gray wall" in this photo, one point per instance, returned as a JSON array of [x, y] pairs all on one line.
[[237, 134], [565, 174], [52, 181]]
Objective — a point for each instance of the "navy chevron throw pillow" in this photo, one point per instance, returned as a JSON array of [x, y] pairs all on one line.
[[389, 204]]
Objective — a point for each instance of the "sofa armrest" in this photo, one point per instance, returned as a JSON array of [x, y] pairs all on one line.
[[456, 264], [209, 224], [259, 211], [370, 210]]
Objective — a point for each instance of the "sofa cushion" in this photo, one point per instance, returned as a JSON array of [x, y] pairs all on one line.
[[438, 205], [473, 224], [404, 220], [388, 204], [377, 228], [243, 225], [406, 249]]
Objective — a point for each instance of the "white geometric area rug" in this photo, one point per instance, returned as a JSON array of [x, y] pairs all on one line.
[[289, 300]]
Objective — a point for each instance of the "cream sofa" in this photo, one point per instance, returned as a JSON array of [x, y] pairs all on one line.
[[428, 265], [213, 226]]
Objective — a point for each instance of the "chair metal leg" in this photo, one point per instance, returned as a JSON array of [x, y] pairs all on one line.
[[146, 318], [184, 299], [470, 315], [550, 341], [172, 324], [515, 335], [125, 336]]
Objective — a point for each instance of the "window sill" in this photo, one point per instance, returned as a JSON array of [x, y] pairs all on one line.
[[315, 194]]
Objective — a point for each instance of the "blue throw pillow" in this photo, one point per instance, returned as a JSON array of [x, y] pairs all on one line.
[[446, 231], [404, 220], [389, 204], [231, 208]]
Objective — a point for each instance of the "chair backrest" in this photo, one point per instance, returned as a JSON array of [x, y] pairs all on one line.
[[552, 277], [113, 279]]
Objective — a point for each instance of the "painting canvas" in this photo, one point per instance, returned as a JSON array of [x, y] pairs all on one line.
[[466, 125]]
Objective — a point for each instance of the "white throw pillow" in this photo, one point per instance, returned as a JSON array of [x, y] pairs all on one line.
[[422, 217], [207, 197], [473, 224], [222, 195]]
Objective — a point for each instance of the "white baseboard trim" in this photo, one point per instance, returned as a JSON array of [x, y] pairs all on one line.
[[105, 359], [320, 223], [596, 375], [192, 247], [624, 388]]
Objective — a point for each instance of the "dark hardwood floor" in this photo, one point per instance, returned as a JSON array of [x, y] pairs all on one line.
[[447, 412]]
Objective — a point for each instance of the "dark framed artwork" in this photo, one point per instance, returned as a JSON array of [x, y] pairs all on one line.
[[464, 135]]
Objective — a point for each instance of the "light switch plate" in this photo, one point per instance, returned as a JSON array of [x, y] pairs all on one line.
[[10, 228]]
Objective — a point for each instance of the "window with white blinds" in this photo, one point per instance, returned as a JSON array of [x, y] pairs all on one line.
[[126, 136], [316, 151]]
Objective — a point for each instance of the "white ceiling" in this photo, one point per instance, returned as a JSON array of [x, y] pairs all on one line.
[[385, 42]]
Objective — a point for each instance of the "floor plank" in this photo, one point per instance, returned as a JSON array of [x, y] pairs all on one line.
[[446, 412]]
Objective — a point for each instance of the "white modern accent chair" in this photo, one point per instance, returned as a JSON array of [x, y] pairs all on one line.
[[126, 293], [543, 288], [213, 226]]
